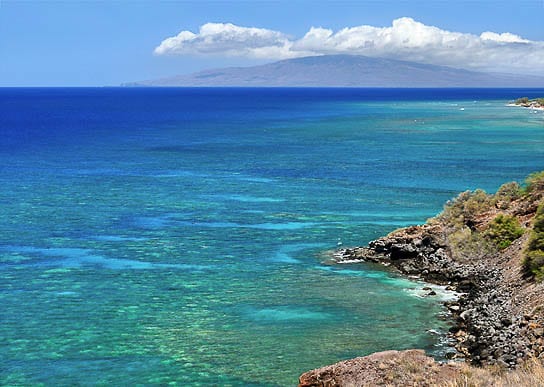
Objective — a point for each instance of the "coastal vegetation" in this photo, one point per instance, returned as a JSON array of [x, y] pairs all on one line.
[[532, 103], [535, 183], [477, 223], [503, 230], [480, 224], [533, 264], [530, 373]]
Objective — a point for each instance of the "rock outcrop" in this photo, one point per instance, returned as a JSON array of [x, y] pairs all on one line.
[[490, 325], [400, 368]]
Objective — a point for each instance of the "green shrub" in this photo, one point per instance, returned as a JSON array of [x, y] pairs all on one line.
[[468, 245], [536, 242], [533, 263], [503, 230], [538, 221], [522, 100], [510, 190], [506, 194], [463, 210], [534, 182], [540, 101]]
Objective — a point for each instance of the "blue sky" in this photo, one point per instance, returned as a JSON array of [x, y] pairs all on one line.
[[97, 43]]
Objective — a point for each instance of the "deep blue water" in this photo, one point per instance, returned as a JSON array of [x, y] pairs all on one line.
[[154, 236]]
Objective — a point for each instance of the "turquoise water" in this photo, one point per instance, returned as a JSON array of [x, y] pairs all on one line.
[[179, 236]]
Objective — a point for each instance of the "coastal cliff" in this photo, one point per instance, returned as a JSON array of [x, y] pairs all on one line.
[[482, 246]]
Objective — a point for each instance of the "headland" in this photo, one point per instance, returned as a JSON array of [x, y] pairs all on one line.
[[490, 249], [536, 104]]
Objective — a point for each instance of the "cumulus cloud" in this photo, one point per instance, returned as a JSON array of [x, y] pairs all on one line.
[[228, 39], [405, 39], [505, 37]]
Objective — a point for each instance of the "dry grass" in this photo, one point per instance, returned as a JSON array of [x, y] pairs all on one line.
[[531, 374]]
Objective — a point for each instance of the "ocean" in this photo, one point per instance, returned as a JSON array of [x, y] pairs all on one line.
[[182, 236]]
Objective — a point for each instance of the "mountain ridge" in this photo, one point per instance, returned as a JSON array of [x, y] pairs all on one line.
[[343, 71]]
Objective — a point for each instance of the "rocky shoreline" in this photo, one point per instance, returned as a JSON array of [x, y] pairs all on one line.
[[489, 327], [535, 104], [499, 317]]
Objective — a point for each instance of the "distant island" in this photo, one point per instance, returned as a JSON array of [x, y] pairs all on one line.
[[537, 103], [490, 249], [344, 71]]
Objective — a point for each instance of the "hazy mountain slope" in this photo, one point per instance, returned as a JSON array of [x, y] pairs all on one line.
[[345, 71]]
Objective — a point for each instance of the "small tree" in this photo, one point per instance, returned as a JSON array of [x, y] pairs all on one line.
[[463, 210], [506, 194], [503, 230]]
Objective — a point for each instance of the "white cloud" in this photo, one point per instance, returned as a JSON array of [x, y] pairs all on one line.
[[505, 37], [405, 39], [227, 39]]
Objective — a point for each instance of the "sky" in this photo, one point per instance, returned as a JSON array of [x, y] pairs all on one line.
[[106, 43]]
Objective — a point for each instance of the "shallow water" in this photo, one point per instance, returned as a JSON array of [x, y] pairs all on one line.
[[151, 236]]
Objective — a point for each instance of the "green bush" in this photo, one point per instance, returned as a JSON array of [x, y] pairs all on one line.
[[463, 210], [533, 263], [506, 194], [538, 225], [522, 100], [536, 242], [469, 245], [503, 230], [535, 182], [510, 190]]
